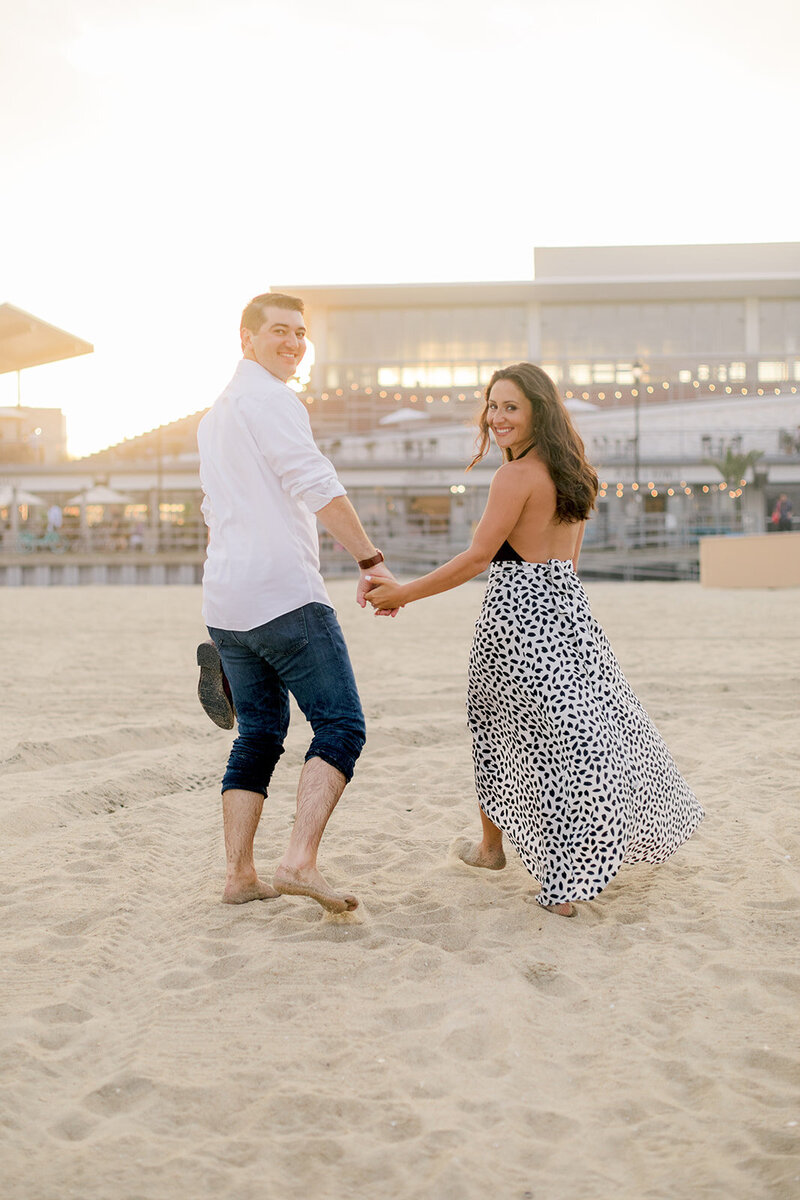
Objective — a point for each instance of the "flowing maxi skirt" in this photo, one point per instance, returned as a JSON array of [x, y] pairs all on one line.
[[567, 762]]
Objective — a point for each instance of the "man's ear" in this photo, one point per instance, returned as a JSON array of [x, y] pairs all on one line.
[[246, 338]]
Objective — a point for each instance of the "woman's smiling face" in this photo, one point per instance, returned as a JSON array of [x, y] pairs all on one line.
[[509, 415]]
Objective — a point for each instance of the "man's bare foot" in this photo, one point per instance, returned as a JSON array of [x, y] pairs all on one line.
[[290, 882], [475, 854], [561, 910], [242, 891]]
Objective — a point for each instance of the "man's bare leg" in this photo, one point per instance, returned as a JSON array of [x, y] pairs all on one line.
[[241, 812], [318, 793], [488, 852]]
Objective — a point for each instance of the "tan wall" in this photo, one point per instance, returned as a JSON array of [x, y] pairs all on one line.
[[768, 560]]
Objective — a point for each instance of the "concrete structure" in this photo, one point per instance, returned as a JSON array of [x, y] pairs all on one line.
[[770, 560]]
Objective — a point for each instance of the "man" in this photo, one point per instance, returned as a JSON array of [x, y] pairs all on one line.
[[265, 603]]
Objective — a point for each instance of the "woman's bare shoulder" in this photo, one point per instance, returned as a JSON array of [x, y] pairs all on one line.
[[529, 472]]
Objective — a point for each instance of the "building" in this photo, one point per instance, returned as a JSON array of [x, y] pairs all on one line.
[[696, 319], [670, 356], [32, 435], [671, 359]]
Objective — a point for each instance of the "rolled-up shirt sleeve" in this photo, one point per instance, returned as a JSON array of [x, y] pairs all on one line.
[[281, 429]]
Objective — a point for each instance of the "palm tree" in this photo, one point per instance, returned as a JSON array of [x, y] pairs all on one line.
[[733, 467]]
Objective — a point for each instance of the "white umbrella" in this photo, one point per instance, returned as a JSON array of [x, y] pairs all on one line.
[[404, 414], [20, 496], [100, 494]]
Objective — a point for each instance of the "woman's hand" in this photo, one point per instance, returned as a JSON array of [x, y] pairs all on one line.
[[385, 595]]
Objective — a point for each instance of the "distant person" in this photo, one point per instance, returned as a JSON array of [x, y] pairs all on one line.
[[782, 514], [55, 518], [568, 765], [136, 539], [265, 603]]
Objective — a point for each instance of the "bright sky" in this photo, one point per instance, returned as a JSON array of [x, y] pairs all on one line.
[[166, 160]]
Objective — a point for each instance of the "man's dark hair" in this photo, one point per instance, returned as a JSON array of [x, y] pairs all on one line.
[[253, 315]]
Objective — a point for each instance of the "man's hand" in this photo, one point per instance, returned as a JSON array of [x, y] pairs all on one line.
[[367, 581], [385, 594]]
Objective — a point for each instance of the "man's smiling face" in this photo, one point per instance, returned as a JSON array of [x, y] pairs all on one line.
[[280, 343]]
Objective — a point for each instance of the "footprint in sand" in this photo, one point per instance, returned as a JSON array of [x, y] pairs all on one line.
[[119, 1095], [66, 1014], [75, 1127], [174, 980]]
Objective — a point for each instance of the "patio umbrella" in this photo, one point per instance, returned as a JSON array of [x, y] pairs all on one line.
[[9, 496], [404, 414], [100, 494]]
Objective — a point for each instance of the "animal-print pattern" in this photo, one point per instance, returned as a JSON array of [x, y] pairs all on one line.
[[567, 762]]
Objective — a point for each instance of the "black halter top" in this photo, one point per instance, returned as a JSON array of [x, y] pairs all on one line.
[[507, 553]]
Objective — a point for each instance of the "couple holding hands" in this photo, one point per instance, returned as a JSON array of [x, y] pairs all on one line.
[[568, 766]]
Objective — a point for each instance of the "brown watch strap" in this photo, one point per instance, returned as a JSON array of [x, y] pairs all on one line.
[[366, 563]]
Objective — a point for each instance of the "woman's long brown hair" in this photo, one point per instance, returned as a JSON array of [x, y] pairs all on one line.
[[555, 440]]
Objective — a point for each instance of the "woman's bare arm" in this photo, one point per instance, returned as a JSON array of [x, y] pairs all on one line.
[[510, 490]]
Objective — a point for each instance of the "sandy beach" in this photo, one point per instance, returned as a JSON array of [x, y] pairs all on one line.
[[447, 1041]]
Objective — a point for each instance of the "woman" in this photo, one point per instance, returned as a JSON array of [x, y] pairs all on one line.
[[567, 763]]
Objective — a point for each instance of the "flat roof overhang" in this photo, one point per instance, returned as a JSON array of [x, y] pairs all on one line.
[[580, 291], [27, 341]]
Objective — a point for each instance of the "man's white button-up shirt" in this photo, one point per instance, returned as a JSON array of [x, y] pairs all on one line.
[[263, 479]]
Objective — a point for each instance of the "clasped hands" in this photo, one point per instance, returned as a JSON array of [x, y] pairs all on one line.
[[379, 586]]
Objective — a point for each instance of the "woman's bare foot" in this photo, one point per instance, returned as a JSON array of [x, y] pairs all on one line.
[[561, 910], [309, 882], [242, 889], [478, 854]]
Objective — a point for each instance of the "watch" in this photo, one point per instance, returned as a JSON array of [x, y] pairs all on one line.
[[366, 563]]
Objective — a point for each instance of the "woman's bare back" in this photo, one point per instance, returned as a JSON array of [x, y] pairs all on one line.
[[537, 535]]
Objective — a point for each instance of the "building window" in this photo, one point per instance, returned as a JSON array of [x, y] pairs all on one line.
[[554, 371], [771, 372], [581, 374], [737, 370], [465, 376], [703, 371], [388, 376], [685, 376], [604, 373]]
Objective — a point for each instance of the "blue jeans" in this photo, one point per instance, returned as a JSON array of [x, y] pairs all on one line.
[[302, 652]]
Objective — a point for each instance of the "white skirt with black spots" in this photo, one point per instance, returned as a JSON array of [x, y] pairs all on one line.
[[567, 762]]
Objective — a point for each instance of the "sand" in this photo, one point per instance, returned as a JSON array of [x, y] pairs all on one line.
[[449, 1040]]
